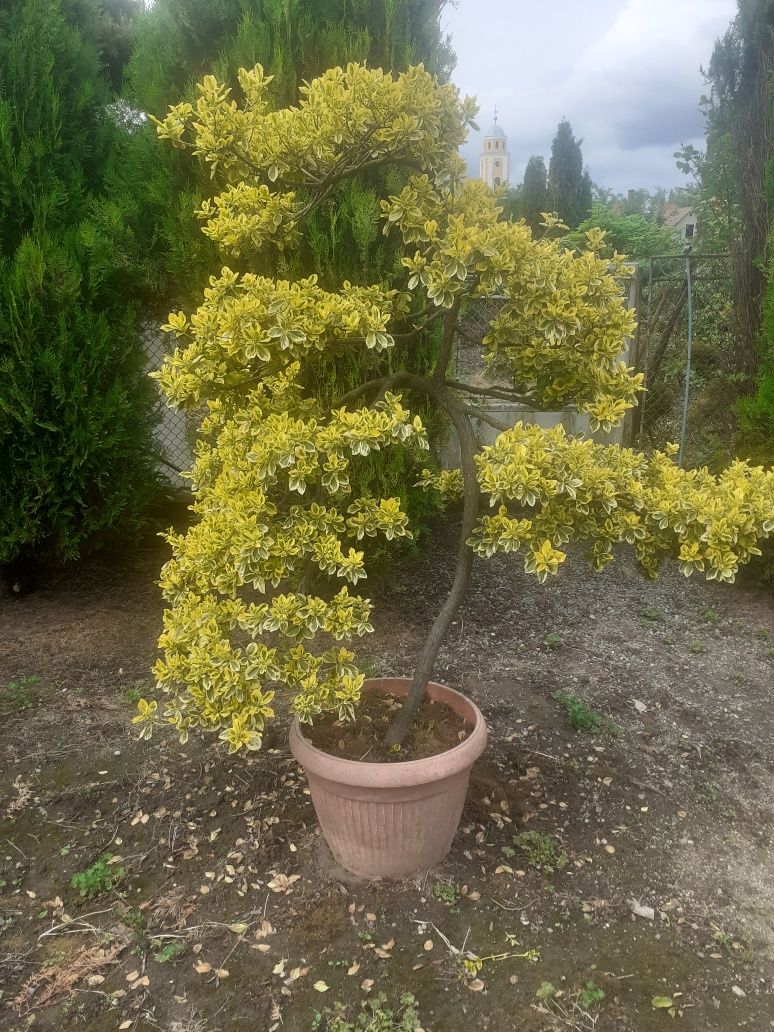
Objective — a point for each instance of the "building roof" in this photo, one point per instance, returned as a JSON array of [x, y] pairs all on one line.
[[495, 130], [674, 214]]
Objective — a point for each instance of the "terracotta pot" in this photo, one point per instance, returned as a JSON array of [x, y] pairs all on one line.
[[391, 819]]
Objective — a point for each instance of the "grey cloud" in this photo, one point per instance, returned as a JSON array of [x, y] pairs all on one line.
[[659, 124], [625, 72]]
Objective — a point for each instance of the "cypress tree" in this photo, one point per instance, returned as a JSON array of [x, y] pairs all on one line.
[[75, 408], [533, 195], [568, 185]]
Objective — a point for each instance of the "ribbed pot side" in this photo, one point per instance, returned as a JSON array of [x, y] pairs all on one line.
[[389, 820]]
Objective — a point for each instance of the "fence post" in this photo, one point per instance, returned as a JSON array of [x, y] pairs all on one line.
[[689, 291]]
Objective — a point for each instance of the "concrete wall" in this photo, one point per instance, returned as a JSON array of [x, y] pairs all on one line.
[[573, 421]]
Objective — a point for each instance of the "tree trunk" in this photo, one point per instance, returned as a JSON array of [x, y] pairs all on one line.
[[401, 725]]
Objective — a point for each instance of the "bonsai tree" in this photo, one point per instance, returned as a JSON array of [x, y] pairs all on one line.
[[248, 606]]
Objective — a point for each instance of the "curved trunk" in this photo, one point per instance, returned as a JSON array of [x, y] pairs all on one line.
[[401, 725]]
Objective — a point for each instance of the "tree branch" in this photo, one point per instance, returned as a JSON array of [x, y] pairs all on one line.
[[484, 417], [501, 393]]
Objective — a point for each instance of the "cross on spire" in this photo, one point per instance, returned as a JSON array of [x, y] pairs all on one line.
[[495, 113]]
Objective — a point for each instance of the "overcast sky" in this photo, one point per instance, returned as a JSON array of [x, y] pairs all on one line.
[[626, 73]]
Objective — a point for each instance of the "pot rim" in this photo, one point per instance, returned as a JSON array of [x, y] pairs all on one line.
[[391, 774]]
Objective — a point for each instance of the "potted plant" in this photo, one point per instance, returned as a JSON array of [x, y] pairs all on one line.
[[248, 609]]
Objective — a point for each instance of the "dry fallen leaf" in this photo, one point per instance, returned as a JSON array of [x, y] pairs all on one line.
[[283, 882], [641, 911], [476, 985], [354, 968], [132, 975], [203, 967], [428, 944], [221, 972], [367, 985], [239, 929], [321, 987]]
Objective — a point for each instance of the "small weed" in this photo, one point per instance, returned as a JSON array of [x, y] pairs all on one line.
[[762, 634], [591, 994], [447, 892], [697, 647], [374, 1016], [99, 878], [652, 613], [708, 613], [552, 642], [17, 696], [710, 792], [171, 951], [541, 851], [573, 1010], [583, 717], [134, 692]]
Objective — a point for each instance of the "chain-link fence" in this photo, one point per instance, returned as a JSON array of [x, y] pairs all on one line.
[[686, 374], [472, 368], [174, 431], [685, 351]]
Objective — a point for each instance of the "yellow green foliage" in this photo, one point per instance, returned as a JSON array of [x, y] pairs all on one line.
[[271, 477]]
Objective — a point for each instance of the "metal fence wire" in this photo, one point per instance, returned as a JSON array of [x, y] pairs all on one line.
[[685, 351], [175, 430], [686, 373]]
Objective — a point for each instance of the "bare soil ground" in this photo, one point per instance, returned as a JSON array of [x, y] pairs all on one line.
[[649, 872]]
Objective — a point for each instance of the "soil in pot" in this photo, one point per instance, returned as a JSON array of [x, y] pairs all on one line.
[[437, 728]]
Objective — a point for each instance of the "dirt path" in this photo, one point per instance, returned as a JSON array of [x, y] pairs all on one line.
[[667, 806]]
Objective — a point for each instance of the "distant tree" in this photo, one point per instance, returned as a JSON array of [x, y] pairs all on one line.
[[114, 35], [511, 203], [533, 196], [635, 236], [569, 186], [75, 407], [639, 201]]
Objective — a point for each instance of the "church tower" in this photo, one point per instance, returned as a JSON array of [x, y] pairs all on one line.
[[494, 156]]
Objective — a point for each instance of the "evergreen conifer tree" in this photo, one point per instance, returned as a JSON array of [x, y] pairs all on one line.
[[568, 185], [533, 195], [75, 407]]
